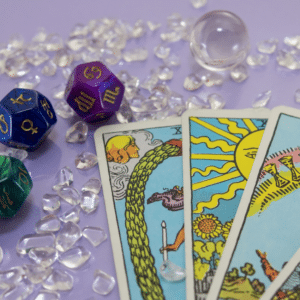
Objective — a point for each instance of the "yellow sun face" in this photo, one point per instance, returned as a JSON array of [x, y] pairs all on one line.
[[207, 226]]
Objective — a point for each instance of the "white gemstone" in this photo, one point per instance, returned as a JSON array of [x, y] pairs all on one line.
[[68, 236], [173, 60], [195, 102], [44, 256], [49, 68], [174, 20], [16, 153], [262, 99], [124, 114], [153, 26], [59, 280], [36, 57], [192, 82], [177, 103], [66, 72], [171, 36], [293, 41], [212, 79], [77, 133], [75, 43], [138, 54], [79, 29], [288, 59], [63, 58], [47, 295], [131, 88], [72, 215], [150, 81], [257, 60], [63, 178], [268, 46], [89, 201], [19, 292], [124, 76], [239, 73], [139, 29], [11, 277], [216, 101], [69, 194], [138, 103], [164, 73], [86, 160], [103, 283], [40, 36], [36, 273], [198, 3], [53, 42], [297, 95], [162, 51], [74, 257], [51, 202], [92, 185], [16, 41], [49, 223], [16, 66], [171, 272], [31, 82], [64, 110], [58, 91], [95, 235]]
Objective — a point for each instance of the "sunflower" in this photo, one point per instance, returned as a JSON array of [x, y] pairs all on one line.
[[207, 226], [226, 229]]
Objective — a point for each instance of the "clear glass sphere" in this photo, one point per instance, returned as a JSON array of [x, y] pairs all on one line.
[[219, 40]]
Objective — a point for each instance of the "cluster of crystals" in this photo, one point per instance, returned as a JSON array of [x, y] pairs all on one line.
[[54, 242]]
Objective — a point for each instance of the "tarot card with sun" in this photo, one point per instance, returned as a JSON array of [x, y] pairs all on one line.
[[219, 148], [141, 171], [264, 233]]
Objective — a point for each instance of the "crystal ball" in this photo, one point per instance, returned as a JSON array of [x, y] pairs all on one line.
[[219, 40]]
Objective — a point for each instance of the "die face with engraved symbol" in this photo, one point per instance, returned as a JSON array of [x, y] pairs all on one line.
[[26, 118], [15, 185], [94, 92]]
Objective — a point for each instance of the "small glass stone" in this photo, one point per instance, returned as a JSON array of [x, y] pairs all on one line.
[[51, 202], [30, 83], [74, 257], [49, 68], [16, 41], [262, 99], [160, 96], [95, 235], [29, 241], [124, 76], [92, 185], [77, 133], [297, 99], [268, 46], [153, 26], [40, 36], [86, 160], [72, 215], [89, 201], [198, 3], [173, 60], [44, 256], [164, 73], [212, 79], [63, 178], [1, 254], [36, 57], [16, 66], [257, 60], [64, 110], [287, 59], [13, 152], [139, 29], [49, 223], [69, 194], [151, 80], [47, 295], [162, 51], [58, 280], [63, 57], [11, 277], [171, 36], [75, 43], [192, 82], [68, 236], [239, 73], [66, 72], [171, 272], [177, 103], [19, 292], [293, 41], [36, 273], [195, 102], [79, 29], [216, 101], [138, 54], [103, 283], [138, 103], [53, 42], [58, 92], [124, 114], [131, 88]]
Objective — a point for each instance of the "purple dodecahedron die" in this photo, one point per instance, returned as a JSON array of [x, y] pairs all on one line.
[[94, 92]]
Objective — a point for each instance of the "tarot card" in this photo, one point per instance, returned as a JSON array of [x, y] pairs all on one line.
[[262, 237], [287, 284], [141, 171], [219, 148]]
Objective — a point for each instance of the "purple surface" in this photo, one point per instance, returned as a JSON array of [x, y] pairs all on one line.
[[264, 19]]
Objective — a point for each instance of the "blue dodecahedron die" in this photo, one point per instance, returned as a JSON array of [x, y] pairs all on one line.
[[26, 118]]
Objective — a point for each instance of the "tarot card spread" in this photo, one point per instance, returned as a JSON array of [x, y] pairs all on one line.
[[262, 237], [218, 150], [143, 191]]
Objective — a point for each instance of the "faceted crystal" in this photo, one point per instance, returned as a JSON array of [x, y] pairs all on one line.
[[257, 60], [262, 99], [268, 46], [44, 256], [1, 254], [212, 79], [297, 99], [293, 41], [174, 20], [152, 26], [160, 96], [19, 292], [58, 92], [110, 56], [13, 152], [69, 194], [72, 215], [68, 236], [36, 273], [36, 57], [150, 81], [138, 103], [77, 133], [51, 202], [40, 36], [49, 223], [239, 73], [95, 235], [171, 272], [92, 185], [53, 42], [49, 68], [124, 114], [195, 102], [16, 66], [16, 41], [64, 110], [47, 295], [75, 43], [192, 82], [288, 59], [162, 51], [66, 73], [29, 241], [75, 257], [86, 160], [216, 101], [79, 29], [63, 57], [139, 29], [173, 60], [124, 76], [177, 103], [131, 88], [63, 178], [31, 82], [103, 283], [89, 201], [11, 277], [138, 54], [171, 36], [59, 280], [198, 3], [164, 73]]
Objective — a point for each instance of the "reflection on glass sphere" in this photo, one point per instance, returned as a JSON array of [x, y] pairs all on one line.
[[219, 40]]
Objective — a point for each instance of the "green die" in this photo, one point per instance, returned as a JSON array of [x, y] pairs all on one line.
[[15, 185]]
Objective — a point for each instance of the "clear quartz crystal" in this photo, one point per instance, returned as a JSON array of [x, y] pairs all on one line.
[[69, 194], [138, 103], [216, 101], [198, 3], [124, 114], [262, 99], [47, 295], [49, 223], [162, 51], [1, 254], [95, 235], [40, 36], [288, 59], [72, 215], [36, 57], [29, 241], [92, 185], [173, 60], [177, 103], [44, 256], [63, 57], [85, 160], [16, 66], [11, 277], [103, 283], [89, 201], [36, 273], [171, 36], [13, 152], [79, 29], [31, 82], [77, 133], [195, 102], [212, 79], [63, 178], [68, 236], [58, 91], [49, 68], [192, 82], [138, 54], [64, 110], [19, 292], [171, 272], [66, 72], [74, 257], [164, 73], [293, 41], [268, 46], [239, 73], [139, 29], [51, 202], [297, 99], [257, 60], [16, 41], [58, 280], [153, 26], [75, 43], [53, 42], [150, 81]]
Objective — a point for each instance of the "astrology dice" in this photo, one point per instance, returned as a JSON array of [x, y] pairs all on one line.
[[94, 92], [15, 185], [26, 118]]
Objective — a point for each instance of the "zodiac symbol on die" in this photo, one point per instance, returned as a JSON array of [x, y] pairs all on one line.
[[31, 128], [2, 120]]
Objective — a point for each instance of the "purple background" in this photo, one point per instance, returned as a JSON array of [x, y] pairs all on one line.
[[264, 19]]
